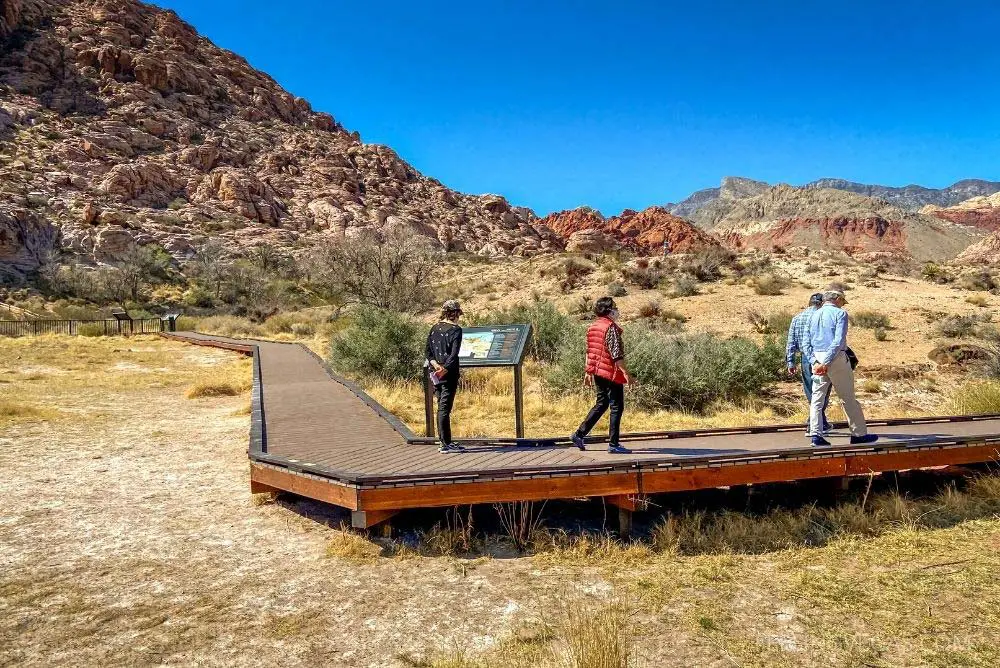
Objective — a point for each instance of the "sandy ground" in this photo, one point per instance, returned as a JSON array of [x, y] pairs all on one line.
[[128, 537]]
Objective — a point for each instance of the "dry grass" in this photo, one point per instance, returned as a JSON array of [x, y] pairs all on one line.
[[977, 397], [18, 411], [346, 544]]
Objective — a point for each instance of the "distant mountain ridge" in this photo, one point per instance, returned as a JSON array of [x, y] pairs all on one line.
[[911, 197]]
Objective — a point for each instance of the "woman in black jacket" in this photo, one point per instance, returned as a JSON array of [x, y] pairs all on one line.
[[443, 344]]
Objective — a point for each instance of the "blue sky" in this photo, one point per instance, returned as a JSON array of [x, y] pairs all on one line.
[[628, 104]]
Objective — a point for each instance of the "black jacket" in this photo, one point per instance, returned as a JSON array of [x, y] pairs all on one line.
[[443, 344]]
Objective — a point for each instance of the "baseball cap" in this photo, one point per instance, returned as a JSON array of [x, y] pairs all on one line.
[[452, 306], [830, 295]]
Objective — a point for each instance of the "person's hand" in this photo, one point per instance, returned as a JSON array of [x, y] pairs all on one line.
[[588, 380], [820, 369], [791, 370], [627, 377]]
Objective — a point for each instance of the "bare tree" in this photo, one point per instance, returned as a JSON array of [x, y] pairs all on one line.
[[390, 272], [211, 265]]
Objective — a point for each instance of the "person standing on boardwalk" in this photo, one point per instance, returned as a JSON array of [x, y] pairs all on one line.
[[831, 367], [443, 344], [796, 356], [605, 370]]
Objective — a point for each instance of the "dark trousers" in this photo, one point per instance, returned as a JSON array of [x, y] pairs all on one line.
[[609, 394], [445, 393]]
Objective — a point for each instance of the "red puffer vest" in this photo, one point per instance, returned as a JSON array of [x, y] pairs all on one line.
[[599, 362]]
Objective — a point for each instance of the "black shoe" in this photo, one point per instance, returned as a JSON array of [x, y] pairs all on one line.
[[578, 441], [827, 426], [451, 447], [618, 450], [862, 440], [819, 441]]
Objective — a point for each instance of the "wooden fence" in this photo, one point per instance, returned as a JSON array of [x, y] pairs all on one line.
[[111, 327]]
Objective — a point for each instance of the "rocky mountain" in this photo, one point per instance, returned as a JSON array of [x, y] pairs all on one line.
[[119, 124], [835, 219], [913, 197], [704, 208], [586, 230], [982, 212], [985, 251]]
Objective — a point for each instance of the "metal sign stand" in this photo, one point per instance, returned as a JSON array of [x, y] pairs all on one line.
[[516, 361]]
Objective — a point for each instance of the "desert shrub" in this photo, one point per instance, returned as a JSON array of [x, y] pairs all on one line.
[[177, 203], [708, 263], [961, 326], [870, 320], [776, 323], [380, 344], [549, 326], [769, 284], [186, 323], [642, 275], [935, 273], [751, 266], [683, 285], [303, 329], [681, 372], [582, 306], [573, 272], [880, 334], [616, 289], [90, 329], [198, 296], [981, 280], [977, 300], [228, 325], [649, 310]]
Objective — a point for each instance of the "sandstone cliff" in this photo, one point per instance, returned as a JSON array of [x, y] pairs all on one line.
[[982, 212], [120, 124], [586, 230]]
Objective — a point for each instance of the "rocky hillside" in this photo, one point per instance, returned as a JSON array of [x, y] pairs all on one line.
[[981, 212], [835, 219], [985, 251], [586, 230], [119, 124]]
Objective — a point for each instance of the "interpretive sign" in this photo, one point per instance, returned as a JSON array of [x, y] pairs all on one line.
[[503, 345]]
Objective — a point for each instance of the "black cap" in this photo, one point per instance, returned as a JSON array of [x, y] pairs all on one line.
[[816, 299]]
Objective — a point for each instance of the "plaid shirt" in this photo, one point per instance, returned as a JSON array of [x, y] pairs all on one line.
[[798, 337]]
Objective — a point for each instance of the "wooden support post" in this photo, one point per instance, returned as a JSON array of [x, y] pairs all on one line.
[[518, 402], [365, 519], [261, 488], [626, 504]]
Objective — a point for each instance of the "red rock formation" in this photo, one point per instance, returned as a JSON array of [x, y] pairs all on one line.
[[639, 231], [986, 251], [987, 218]]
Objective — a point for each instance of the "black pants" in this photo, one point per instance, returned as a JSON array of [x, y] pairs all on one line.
[[445, 393], [608, 394]]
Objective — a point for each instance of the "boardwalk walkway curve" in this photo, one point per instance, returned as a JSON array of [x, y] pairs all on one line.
[[317, 434]]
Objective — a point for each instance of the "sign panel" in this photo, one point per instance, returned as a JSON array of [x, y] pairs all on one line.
[[501, 345]]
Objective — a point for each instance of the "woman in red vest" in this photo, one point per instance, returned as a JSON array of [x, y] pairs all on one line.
[[605, 371]]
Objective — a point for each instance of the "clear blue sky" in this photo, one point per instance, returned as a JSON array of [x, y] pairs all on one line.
[[627, 104]]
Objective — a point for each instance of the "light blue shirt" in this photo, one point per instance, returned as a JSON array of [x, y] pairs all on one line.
[[827, 334]]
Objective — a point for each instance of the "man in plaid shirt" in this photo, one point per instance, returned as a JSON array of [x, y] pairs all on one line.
[[798, 343]]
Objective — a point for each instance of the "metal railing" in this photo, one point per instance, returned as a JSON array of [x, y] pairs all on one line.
[[109, 327]]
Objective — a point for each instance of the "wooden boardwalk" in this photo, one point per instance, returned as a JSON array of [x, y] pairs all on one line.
[[319, 435]]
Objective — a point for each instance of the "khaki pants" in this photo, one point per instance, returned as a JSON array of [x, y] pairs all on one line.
[[841, 376]]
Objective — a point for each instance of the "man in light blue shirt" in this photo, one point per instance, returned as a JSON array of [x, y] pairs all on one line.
[[827, 350], [798, 344]]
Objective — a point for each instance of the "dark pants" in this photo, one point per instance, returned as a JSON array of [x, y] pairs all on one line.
[[445, 393], [608, 394]]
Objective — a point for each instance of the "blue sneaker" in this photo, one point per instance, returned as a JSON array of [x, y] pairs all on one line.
[[578, 441], [618, 450], [862, 440], [818, 441]]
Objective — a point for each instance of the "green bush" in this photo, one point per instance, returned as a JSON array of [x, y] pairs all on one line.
[[960, 326], [549, 326], [616, 289], [870, 320], [880, 334], [90, 329], [707, 264], [380, 344], [684, 285], [769, 284], [687, 373]]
